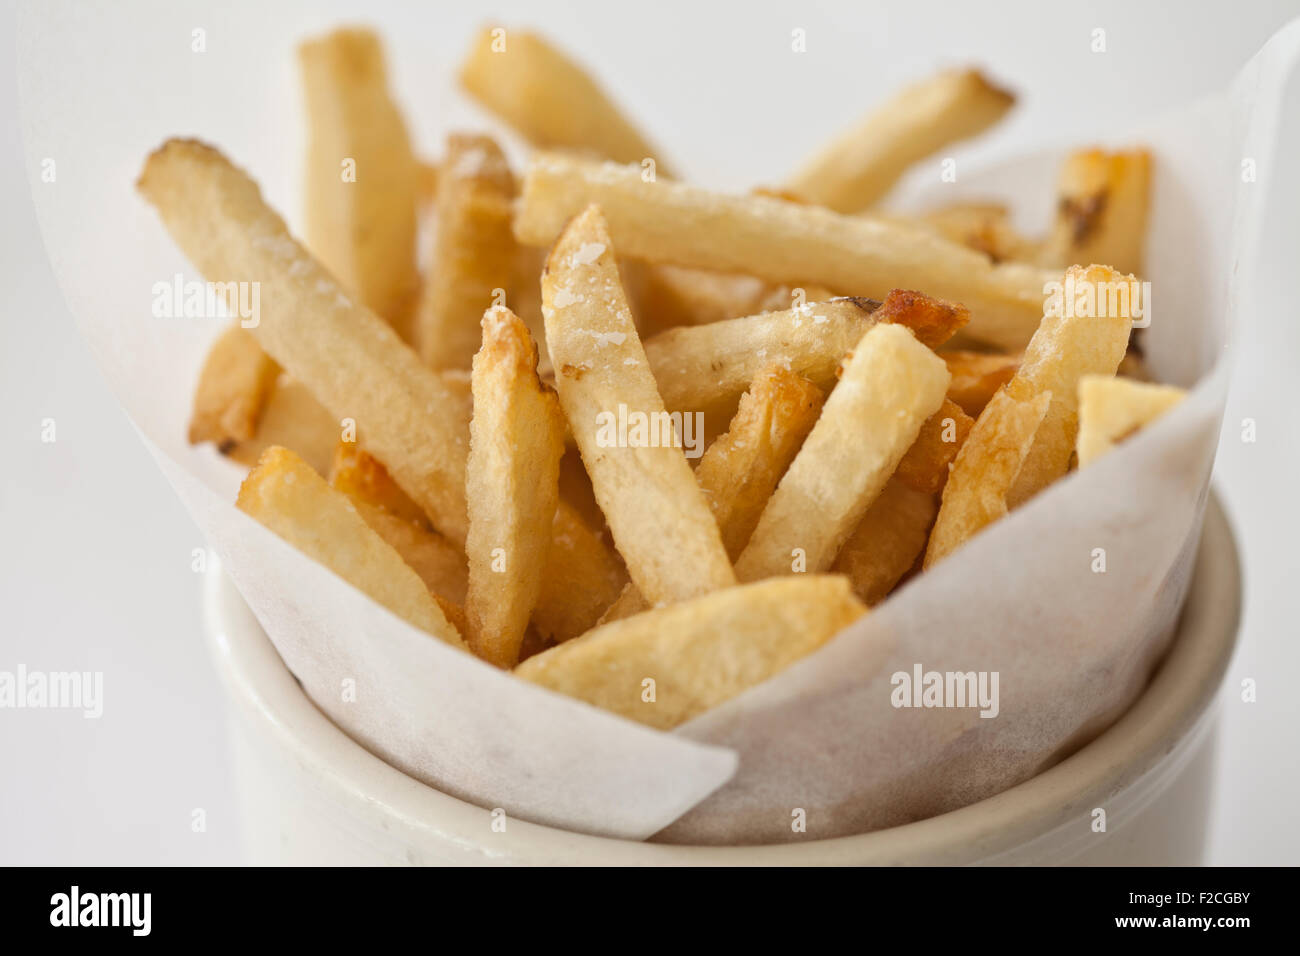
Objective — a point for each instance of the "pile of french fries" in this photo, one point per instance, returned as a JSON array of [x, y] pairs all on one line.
[[426, 397]]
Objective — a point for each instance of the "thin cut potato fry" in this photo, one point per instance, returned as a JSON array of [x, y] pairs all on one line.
[[361, 477], [1067, 347], [582, 578], [863, 164], [981, 478], [362, 178], [741, 469], [428, 184], [984, 227], [548, 98], [512, 484], [400, 522], [889, 387], [893, 533], [667, 222], [708, 367], [1073, 341], [976, 376], [656, 512], [473, 260], [1112, 409], [288, 497], [699, 653], [925, 466], [439, 563], [292, 419], [1102, 205], [887, 542], [349, 358], [234, 386]]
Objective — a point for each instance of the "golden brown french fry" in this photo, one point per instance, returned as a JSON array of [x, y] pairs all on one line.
[[656, 512], [976, 376], [361, 477], [668, 222], [287, 496], [1085, 332], [1068, 346], [1102, 206], [583, 577], [474, 254], [893, 533], [863, 164], [984, 227], [362, 179], [1112, 409], [708, 367], [981, 479], [439, 563], [699, 653], [512, 483], [234, 385], [889, 387], [292, 419], [428, 184], [353, 363], [742, 468], [548, 98], [925, 466]]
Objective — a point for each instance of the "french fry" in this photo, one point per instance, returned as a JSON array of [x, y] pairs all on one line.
[[288, 497], [583, 577], [863, 164], [894, 531], [1112, 409], [400, 521], [439, 563], [707, 368], [427, 184], [976, 376], [353, 363], [548, 98], [889, 387], [667, 222], [512, 483], [362, 179], [1067, 347], [741, 469], [699, 653], [656, 512], [361, 477], [234, 386], [1102, 205], [985, 470], [292, 419], [474, 253], [997, 472], [984, 227]]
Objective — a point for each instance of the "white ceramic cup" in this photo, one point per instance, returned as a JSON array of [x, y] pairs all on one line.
[[310, 795]]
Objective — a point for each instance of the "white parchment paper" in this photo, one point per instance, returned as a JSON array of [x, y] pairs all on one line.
[[1072, 647]]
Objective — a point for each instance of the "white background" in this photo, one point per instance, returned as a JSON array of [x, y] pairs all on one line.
[[95, 549]]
